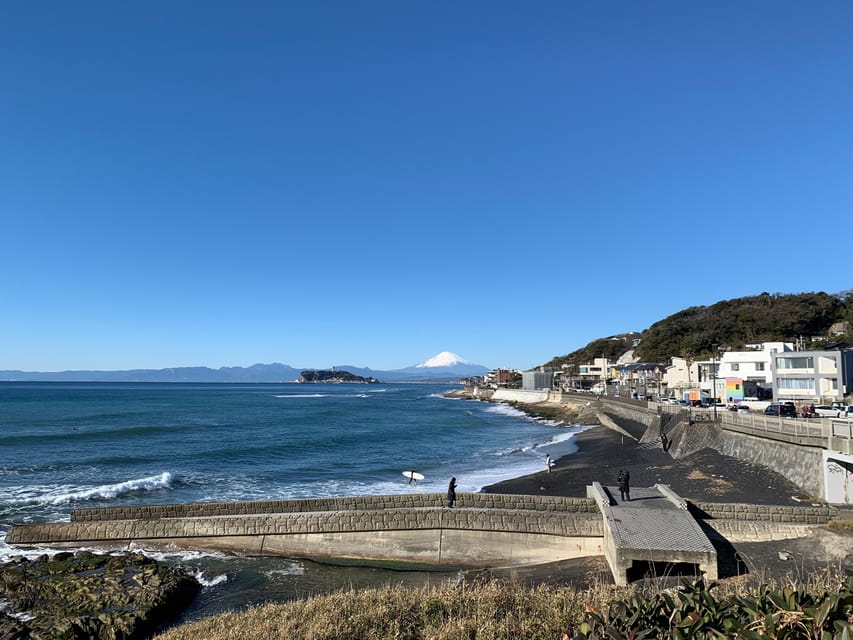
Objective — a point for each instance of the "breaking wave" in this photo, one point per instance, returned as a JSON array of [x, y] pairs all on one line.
[[61, 495]]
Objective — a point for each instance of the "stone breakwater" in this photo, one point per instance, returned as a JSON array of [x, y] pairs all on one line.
[[482, 530], [338, 504]]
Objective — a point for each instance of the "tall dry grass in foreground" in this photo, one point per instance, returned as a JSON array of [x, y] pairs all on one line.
[[494, 610]]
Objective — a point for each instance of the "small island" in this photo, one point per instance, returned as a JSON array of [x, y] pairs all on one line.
[[333, 376]]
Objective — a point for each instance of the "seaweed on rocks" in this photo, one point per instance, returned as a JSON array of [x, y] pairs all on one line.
[[86, 595]]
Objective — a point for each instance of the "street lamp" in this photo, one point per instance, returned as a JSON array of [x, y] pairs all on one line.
[[714, 377]]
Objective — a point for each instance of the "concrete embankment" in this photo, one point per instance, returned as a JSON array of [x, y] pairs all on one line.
[[802, 465], [482, 530]]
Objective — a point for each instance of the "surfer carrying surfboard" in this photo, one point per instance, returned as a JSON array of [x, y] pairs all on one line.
[[413, 476]]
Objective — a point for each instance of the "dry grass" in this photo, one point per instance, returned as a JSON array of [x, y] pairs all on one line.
[[716, 486], [494, 609]]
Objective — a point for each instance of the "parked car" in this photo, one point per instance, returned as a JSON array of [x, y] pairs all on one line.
[[827, 411], [742, 408], [782, 410]]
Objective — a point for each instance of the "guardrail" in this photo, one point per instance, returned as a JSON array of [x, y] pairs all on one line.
[[826, 433]]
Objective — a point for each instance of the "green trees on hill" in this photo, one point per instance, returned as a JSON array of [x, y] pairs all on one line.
[[735, 323], [732, 324]]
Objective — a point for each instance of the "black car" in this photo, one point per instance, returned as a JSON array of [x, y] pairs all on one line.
[[786, 410]]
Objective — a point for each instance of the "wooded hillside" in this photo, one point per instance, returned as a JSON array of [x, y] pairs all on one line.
[[729, 324]]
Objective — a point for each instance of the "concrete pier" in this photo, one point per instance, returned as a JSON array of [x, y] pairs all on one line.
[[654, 526]]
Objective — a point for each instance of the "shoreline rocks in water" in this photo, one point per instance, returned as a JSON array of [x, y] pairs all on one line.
[[86, 595]]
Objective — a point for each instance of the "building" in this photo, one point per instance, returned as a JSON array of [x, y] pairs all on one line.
[[679, 377], [811, 376], [748, 373], [642, 379], [537, 380]]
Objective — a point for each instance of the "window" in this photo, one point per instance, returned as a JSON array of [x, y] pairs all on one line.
[[759, 366], [802, 362], [735, 366], [796, 383]]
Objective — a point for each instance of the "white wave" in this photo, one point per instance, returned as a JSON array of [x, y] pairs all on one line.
[[377, 390], [303, 395], [562, 436], [507, 410], [180, 556], [209, 582], [291, 569], [65, 494]]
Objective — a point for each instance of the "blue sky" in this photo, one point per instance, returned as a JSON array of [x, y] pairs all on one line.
[[372, 183]]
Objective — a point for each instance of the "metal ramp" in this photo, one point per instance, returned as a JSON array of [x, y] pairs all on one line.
[[653, 527]]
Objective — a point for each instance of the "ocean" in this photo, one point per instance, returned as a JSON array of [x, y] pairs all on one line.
[[76, 445]]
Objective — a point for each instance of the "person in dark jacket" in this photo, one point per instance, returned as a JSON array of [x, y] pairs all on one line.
[[451, 492], [624, 480]]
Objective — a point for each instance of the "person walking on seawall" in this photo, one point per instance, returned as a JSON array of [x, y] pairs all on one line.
[[624, 480], [451, 492], [664, 441], [548, 463]]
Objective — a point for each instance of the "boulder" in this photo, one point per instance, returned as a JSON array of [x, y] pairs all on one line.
[[93, 596]]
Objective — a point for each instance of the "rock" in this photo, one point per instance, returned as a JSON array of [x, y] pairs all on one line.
[[85, 595]]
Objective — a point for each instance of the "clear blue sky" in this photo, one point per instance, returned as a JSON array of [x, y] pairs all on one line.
[[371, 183]]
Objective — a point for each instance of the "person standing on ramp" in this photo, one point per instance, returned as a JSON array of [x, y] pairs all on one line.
[[624, 480]]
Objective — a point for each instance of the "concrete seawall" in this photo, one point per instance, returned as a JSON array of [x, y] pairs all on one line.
[[336, 504], [483, 530]]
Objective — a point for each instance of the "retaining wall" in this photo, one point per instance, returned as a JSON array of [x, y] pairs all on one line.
[[737, 522], [519, 395]]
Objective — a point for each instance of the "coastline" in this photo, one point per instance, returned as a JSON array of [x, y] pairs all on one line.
[[704, 476], [602, 451]]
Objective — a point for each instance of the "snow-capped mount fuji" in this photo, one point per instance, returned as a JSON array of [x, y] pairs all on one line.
[[443, 359], [445, 366]]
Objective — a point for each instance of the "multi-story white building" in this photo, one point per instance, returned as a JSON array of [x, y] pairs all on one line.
[[811, 376], [749, 372]]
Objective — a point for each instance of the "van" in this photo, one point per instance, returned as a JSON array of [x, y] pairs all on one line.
[[782, 410]]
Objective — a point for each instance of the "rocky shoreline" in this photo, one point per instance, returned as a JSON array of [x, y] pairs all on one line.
[[93, 596]]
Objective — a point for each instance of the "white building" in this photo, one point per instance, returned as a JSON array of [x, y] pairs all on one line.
[[749, 372], [811, 376]]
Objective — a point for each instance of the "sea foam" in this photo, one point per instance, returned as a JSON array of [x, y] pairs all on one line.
[[65, 494]]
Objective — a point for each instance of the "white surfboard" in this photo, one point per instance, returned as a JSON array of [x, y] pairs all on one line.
[[413, 475]]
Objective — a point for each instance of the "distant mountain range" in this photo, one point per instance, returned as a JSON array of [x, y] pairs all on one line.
[[445, 367]]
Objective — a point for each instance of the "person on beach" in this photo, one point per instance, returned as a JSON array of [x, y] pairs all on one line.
[[451, 492], [548, 463], [412, 477], [624, 480], [664, 441]]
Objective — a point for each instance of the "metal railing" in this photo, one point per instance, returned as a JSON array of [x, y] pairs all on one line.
[[827, 433]]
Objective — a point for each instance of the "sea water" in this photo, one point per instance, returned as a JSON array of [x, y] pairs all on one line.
[[81, 445]]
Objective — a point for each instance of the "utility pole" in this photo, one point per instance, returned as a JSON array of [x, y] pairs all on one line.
[[714, 377]]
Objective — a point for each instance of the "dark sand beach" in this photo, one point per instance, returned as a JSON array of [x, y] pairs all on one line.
[[705, 476]]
